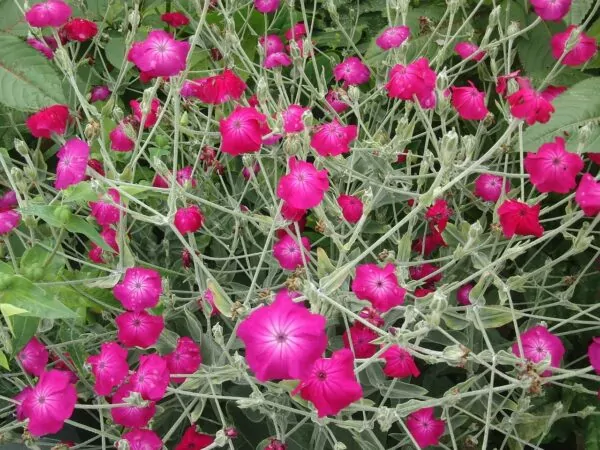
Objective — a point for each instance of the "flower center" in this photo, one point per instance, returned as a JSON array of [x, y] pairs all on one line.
[[137, 323], [322, 375], [41, 399], [281, 337]]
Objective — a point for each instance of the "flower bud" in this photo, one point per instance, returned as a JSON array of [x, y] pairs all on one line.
[[134, 18], [493, 18], [584, 133], [92, 129], [21, 147], [117, 114], [513, 28], [217, 331]]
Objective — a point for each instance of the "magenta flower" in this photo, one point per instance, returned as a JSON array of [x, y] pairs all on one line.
[[185, 175], [489, 187], [333, 138], [41, 47], [51, 13], [105, 211], [552, 168], [248, 172], [141, 439], [378, 285], [193, 440], [594, 354], [399, 363], [551, 92], [594, 157], [266, 6], [468, 49], [539, 344], [331, 384], [414, 80], [20, 398], [8, 201], [352, 71], [289, 254], [215, 90], [110, 367], [530, 105], [47, 121], [138, 329], [175, 19], [50, 402], [159, 55], [33, 357], [130, 416], [242, 131], [292, 118], [334, 101], [292, 214], [279, 59], [188, 220], [519, 218], [99, 93], [186, 358], [361, 337], [79, 30], [271, 44], [119, 140], [587, 195], [430, 243], [9, 220], [551, 9], [425, 272], [352, 207], [438, 214], [150, 117], [584, 49], [152, 377], [469, 102], [392, 37], [72, 163], [283, 339], [304, 186], [462, 295], [298, 31], [140, 289], [424, 427]]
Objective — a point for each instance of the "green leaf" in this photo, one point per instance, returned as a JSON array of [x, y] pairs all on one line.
[[11, 19], [222, 302], [402, 390], [496, 316], [23, 329], [80, 193], [115, 49], [324, 265], [578, 11], [534, 49], [592, 433], [28, 81], [3, 361]]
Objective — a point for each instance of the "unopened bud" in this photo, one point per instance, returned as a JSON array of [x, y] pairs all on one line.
[[513, 28], [92, 129], [21, 147]]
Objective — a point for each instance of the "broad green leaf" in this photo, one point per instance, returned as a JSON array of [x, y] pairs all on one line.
[[28, 81], [578, 11], [592, 433], [37, 255], [496, 316], [534, 48], [3, 361], [80, 193], [11, 19], [222, 302], [324, 266], [115, 49], [23, 329], [398, 389]]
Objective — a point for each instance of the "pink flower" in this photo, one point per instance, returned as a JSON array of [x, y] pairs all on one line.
[[438, 214], [9, 220], [192, 440], [130, 416], [266, 6], [462, 295], [551, 92], [392, 37], [140, 439], [185, 175], [469, 102], [298, 31], [288, 253], [72, 163], [583, 50], [552, 168], [331, 384], [594, 157], [352, 71], [248, 172], [49, 120], [209, 298], [99, 93], [378, 285], [425, 272], [539, 344], [79, 29], [594, 354], [139, 329], [469, 50], [175, 19], [424, 427], [109, 236], [41, 47], [8, 201], [278, 59], [149, 117], [519, 218], [51, 13], [530, 105], [502, 82], [188, 220], [217, 89], [361, 337], [274, 444], [352, 207], [430, 243], [110, 367], [242, 131], [283, 339], [334, 101], [414, 80], [119, 141], [186, 357], [140, 289], [271, 44], [20, 398], [489, 187], [292, 214], [399, 363], [292, 118], [159, 55], [49, 403], [587, 195], [304, 186], [104, 211], [152, 377], [551, 9], [33, 357], [333, 138]]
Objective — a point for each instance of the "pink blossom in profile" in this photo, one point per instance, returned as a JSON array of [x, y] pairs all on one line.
[[416, 79], [331, 384], [119, 140], [551, 9], [352, 71], [333, 138], [142, 439], [51, 13], [41, 47], [594, 157], [140, 289], [50, 403], [266, 6], [438, 214], [175, 19], [538, 344], [489, 187], [33, 357], [425, 272], [242, 131], [151, 378], [271, 44], [193, 440], [249, 173], [48, 121], [9, 220], [208, 297], [378, 285], [292, 214], [462, 295], [352, 207], [392, 37], [109, 367], [138, 329], [80, 30], [148, 117], [333, 98], [361, 337], [469, 50], [217, 89], [105, 211], [99, 93], [72, 163], [283, 339], [518, 218], [551, 92], [8, 201], [188, 220], [130, 416], [298, 31], [425, 428], [159, 55], [289, 254], [109, 236], [186, 175], [594, 354], [582, 51], [279, 59], [421, 292], [587, 195], [502, 82], [292, 118], [186, 357], [552, 168], [304, 186], [20, 398], [530, 105], [430, 243], [399, 363], [469, 102]]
